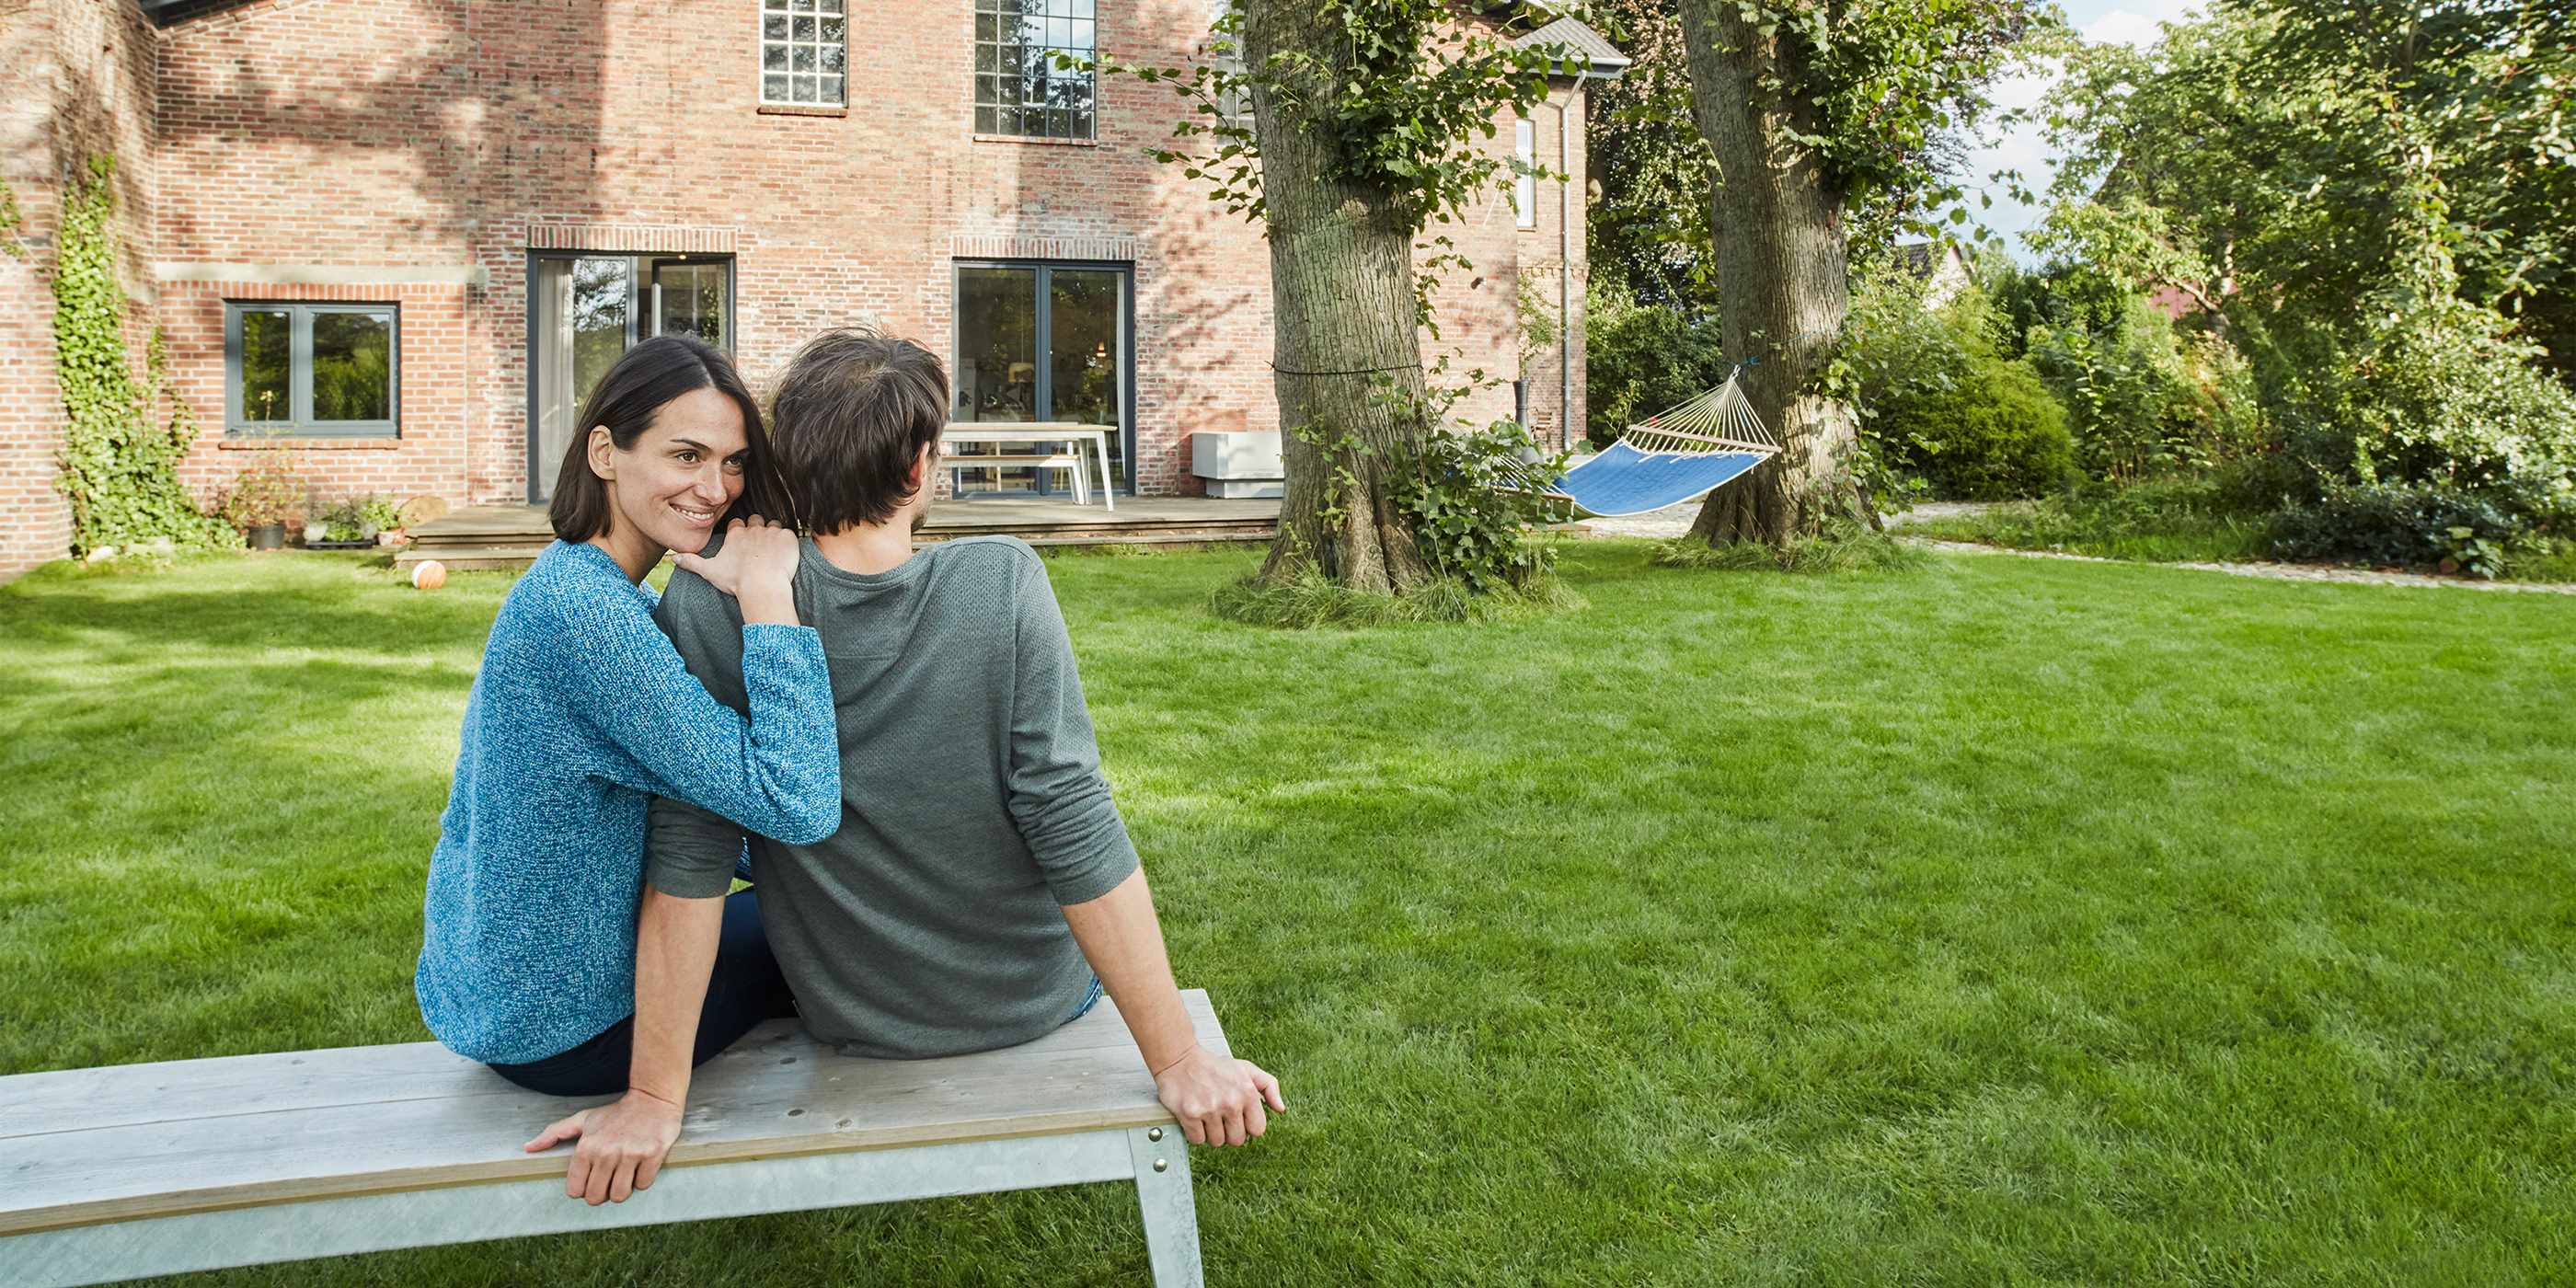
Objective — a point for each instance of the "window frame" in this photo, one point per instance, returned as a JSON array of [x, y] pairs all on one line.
[[1525, 173], [790, 10], [641, 265], [1088, 113], [300, 422], [1042, 335]]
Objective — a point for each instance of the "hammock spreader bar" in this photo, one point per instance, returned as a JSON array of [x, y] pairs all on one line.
[[1702, 444]]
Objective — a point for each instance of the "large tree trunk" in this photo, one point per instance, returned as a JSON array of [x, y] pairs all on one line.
[[1782, 273], [1341, 286]]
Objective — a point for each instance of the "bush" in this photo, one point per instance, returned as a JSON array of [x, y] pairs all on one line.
[[2415, 525], [1644, 359], [1992, 434], [1939, 399]]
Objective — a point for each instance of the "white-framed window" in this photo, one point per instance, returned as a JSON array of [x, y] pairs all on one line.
[[1525, 183], [302, 370], [804, 49], [1018, 89]]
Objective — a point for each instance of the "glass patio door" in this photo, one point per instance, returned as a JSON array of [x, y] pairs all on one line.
[[584, 311], [1041, 342]]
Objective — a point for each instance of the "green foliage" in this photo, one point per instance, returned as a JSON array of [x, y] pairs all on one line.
[[2423, 525], [1938, 399], [1886, 85], [13, 223], [1646, 226], [1403, 101], [2145, 399], [267, 491], [120, 469], [1470, 495], [1644, 358], [358, 517], [2158, 520], [1840, 544]]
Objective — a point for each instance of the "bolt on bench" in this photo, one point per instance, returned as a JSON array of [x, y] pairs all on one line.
[[154, 1169]]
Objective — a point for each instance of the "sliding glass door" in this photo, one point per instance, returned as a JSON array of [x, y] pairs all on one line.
[[1042, 342], [583, 312]]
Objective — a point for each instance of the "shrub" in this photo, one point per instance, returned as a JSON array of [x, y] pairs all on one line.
[[2417, 524], [1938, 398], [1993, 433]]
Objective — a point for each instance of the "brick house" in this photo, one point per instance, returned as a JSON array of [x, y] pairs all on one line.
[[401, 236]]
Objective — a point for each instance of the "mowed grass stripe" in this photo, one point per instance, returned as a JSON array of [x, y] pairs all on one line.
[[2010, 922]]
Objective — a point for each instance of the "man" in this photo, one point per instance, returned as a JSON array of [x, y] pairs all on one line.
[[981, 889]]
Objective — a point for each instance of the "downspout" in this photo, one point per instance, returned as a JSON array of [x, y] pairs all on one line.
[[1565, 267]]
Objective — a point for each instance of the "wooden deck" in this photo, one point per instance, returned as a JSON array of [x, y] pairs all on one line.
[[511, 536]]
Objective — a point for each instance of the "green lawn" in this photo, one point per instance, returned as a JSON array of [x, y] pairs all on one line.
[[2011, 922]]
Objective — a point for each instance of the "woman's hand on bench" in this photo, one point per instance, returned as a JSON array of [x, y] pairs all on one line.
[[622, 1146], [1219, 1100]]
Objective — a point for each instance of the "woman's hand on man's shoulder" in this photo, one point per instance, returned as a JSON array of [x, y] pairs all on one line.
[[756, 564]]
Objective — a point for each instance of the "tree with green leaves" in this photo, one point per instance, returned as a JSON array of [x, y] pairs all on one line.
[[2376, 200], [1816, 111], [1646, 232], [1365, 136]]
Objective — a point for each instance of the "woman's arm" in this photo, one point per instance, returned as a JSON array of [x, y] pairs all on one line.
[[773, 767], [623, 1143]]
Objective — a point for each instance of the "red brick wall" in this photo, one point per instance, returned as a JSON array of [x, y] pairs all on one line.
[[398, 138], [77, 80]]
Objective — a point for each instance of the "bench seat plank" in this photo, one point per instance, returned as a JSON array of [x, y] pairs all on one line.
[[141, 1141]]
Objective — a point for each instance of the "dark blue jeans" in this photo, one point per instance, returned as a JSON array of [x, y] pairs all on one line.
[[745, 989]]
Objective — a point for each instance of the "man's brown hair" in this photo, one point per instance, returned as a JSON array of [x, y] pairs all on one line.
[[852, 411]]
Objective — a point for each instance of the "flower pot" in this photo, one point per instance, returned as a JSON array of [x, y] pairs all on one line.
[[268, 536]]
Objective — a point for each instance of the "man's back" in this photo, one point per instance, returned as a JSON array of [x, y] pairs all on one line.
[[973, 805]]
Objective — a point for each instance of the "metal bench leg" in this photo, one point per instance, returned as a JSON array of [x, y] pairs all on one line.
[[1171, 1212]]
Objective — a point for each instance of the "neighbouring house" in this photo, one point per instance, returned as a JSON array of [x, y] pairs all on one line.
[[403, 236], [1943, 269]]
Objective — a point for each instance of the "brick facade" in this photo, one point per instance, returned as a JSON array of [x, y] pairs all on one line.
[[414, 152]]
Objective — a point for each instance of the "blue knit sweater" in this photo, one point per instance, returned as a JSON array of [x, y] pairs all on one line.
[[582, 714]]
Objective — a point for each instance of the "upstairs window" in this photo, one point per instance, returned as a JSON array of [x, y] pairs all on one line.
[[1017, 87], [804, 44]]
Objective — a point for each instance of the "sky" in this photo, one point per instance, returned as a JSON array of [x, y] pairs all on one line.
[[2128, 21]]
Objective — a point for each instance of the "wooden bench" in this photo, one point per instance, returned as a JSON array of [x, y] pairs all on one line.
[[154, 1169]]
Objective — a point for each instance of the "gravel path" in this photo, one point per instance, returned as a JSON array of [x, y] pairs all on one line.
[[1673, 521]]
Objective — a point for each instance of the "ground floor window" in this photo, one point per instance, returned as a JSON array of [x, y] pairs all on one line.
[[310, 370], [1044, 342], [584, 310]]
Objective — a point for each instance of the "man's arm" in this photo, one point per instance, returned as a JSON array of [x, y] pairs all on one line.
[[623, 1143], [1218, 1100]]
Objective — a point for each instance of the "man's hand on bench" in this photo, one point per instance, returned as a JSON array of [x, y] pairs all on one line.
[[1219, 1100], [622, 1146]]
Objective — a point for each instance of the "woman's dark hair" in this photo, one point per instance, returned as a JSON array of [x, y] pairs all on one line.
[[626, 400], [853, 410]]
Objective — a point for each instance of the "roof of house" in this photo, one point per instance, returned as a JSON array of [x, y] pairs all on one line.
[[1580, 41]]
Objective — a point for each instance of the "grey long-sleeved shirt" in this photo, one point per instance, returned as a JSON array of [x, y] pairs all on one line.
[[972, 803]]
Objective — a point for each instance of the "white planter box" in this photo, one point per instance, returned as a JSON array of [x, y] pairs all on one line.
[[1241, 454]]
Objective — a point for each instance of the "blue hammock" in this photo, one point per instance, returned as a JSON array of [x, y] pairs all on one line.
[[1704, 443], [1620, 480]]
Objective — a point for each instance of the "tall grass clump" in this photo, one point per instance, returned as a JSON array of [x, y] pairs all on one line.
[[1842, 545], [1313, 600]]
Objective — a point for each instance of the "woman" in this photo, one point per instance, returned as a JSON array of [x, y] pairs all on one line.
[[583, 712]]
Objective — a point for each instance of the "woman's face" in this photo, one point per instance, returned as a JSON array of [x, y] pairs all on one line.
[[683, 473]]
